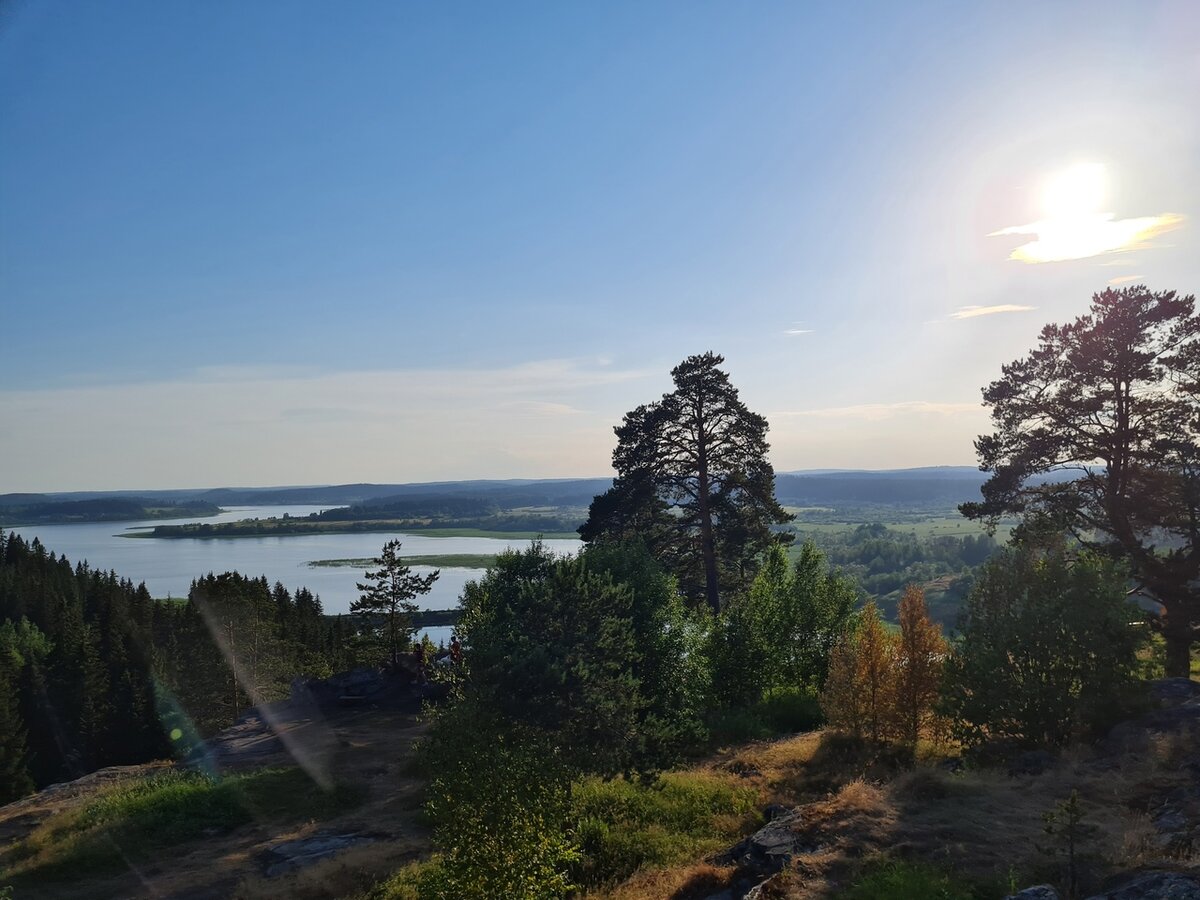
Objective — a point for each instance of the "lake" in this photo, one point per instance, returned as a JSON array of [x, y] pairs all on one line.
[[168, 566]]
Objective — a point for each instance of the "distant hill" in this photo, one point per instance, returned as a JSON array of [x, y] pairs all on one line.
[[933, 485], [49, 511]]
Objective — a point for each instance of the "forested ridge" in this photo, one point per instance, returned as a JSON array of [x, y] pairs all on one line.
[[36, 510], [94, 672]]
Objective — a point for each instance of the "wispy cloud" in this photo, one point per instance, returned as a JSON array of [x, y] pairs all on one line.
[[798, 331], [974, 312], [547, 418], [539, 408], [1125, 278], [876, 411], [1085, 236]]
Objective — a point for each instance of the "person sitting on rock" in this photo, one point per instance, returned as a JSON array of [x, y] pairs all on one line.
[[456, 653]]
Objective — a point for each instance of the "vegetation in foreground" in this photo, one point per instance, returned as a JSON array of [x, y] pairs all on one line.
[[144, 818]]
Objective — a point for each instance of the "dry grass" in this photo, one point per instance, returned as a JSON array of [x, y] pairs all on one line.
[[373, 748], [858, 804], [690, 882]]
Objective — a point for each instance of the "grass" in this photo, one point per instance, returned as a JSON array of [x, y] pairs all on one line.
[[137, 821], [625, 826], [440, 560], [886, 879], [884, 822]]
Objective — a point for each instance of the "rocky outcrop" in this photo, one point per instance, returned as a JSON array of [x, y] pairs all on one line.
[[1166, 692], [771, 848], [288, 856], [1037, 892], [1154, 886], [1177, 716]]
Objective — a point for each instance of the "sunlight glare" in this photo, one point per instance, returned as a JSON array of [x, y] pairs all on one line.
[[1076, 192], [1075, 224]]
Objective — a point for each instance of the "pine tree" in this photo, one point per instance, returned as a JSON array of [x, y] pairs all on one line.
[[389, 592], [693, 480]]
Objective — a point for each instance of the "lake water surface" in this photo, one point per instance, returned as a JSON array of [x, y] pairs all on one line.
[[168, 566]]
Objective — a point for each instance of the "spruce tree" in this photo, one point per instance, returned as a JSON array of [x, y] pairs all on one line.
[[15, 781]]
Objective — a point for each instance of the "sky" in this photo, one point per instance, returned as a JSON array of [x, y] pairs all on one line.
[[300, 243]]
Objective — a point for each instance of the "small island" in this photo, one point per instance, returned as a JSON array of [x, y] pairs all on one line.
[[439, 560], [435, 515]]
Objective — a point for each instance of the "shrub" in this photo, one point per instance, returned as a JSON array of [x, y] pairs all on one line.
[[782, 711], [499, 803], [625, 825], [1047, 649], [899, 880]]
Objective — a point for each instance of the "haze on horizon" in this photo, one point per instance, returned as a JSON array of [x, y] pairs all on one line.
[[293, 244]]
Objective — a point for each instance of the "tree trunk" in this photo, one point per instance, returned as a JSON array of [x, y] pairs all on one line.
[[712, 589], [1177, 630]]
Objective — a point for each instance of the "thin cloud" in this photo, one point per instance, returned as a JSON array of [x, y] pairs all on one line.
[[974, 312], [877, 411], [799, 331], [537, 419], [540, 408], [1125, 278], [1085, 236]]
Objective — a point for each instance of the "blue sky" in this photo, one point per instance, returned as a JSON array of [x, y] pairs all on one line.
[[308, 242]]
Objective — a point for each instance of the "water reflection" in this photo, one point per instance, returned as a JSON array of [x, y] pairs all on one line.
[[168, 566]]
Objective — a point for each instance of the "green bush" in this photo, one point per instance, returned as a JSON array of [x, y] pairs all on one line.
[[626, 825], [780, 632], [416, 881], [1047, 652], [499, 804], [898, 880], [781, 711]]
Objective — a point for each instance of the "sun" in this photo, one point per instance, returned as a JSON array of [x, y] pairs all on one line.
[[1075, 224], [1076, 192]]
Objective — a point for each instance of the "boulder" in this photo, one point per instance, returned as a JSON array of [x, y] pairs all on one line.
[[771, 847], [1137, 736], [1174, 691], [1154, 886]]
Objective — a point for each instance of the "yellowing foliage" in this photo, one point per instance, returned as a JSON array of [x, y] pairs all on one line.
[[921, 653], [883, 685]]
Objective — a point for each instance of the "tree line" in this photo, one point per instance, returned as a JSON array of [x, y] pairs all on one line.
[[94, 672]]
